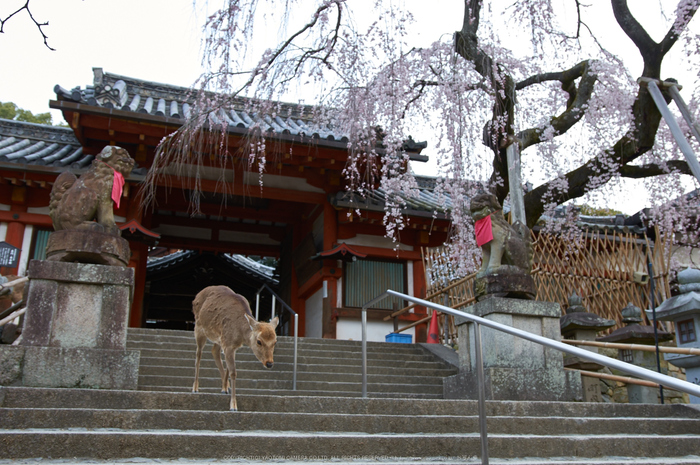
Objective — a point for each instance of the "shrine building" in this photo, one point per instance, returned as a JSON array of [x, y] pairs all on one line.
[[330, 245]]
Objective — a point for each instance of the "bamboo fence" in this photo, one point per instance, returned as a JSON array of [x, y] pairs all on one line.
[[608, 269]]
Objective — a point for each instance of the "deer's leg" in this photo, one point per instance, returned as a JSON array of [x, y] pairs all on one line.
[[200, 339], [230, 355], [216, 353]]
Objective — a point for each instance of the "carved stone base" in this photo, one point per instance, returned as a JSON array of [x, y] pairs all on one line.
[[505, 281], [514, 368], [79, 367], [94, 247], [75, 329]]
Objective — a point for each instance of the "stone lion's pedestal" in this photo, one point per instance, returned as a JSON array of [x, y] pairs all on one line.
[[514, 369], [88, 247], [75, 329]]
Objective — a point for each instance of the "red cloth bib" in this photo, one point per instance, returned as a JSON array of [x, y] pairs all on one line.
[[483, 231], [117, 185]]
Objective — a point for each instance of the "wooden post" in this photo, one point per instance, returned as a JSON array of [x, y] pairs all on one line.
[[517, 203]]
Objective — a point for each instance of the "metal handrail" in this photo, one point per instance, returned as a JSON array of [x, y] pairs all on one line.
[[633, 370], [275, 297]]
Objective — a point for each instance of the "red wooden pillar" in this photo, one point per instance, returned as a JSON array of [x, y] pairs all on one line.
[[139, 257], [419, 289], [15, 229]]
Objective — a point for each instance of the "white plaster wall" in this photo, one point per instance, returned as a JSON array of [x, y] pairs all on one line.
[[314, 315], [351, 329]]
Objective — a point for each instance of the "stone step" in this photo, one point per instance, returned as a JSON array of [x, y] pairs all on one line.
[[26, 397], [375, 460], [255, 370], [188, 336], [302, 342], [232, 444], [18, 418], [415, 354], [187, 358], [186, 367], [300, 393], [405, 387]]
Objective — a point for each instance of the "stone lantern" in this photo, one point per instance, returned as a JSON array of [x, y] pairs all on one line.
[[580, 325], [635, 333], [684, 311]]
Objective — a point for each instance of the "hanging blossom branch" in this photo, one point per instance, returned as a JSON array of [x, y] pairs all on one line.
[[270, 59], [180, 153], [39, 25]]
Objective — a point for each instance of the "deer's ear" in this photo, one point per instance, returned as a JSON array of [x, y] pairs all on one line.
[[251, 320], [274, 322]]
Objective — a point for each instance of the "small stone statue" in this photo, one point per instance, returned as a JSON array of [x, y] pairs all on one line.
[[82, 212], [86, 203], [506, 251], [501, 243]]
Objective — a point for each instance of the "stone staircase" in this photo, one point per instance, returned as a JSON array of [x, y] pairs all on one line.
[[324, 367], [325, 419]]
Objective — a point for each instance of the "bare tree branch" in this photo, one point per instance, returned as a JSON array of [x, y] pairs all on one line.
[[578, 99], [269, 62], [651, 170], [39, 25]]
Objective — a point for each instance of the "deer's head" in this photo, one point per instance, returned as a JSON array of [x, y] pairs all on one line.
[[263, 339]]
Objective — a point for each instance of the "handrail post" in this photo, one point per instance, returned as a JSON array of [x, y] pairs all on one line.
[[257, 304], [296, 324], [364, 352], [364, 338], [482, 395], [296, 339]]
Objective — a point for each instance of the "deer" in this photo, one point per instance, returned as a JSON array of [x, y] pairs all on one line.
[[224, 318]]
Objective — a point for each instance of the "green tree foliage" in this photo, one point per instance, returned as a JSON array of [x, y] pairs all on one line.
[[9, 110], [589, 210]]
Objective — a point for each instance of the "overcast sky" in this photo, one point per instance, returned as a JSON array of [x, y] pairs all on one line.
[[156, 40]]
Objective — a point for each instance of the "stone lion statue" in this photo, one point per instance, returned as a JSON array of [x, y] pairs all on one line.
[[86, 203], [510, 244]]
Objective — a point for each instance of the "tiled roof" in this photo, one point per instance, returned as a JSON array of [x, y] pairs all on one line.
[[250, 267], [426, 203], [139, 96], [40, 145], [112, 91]]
